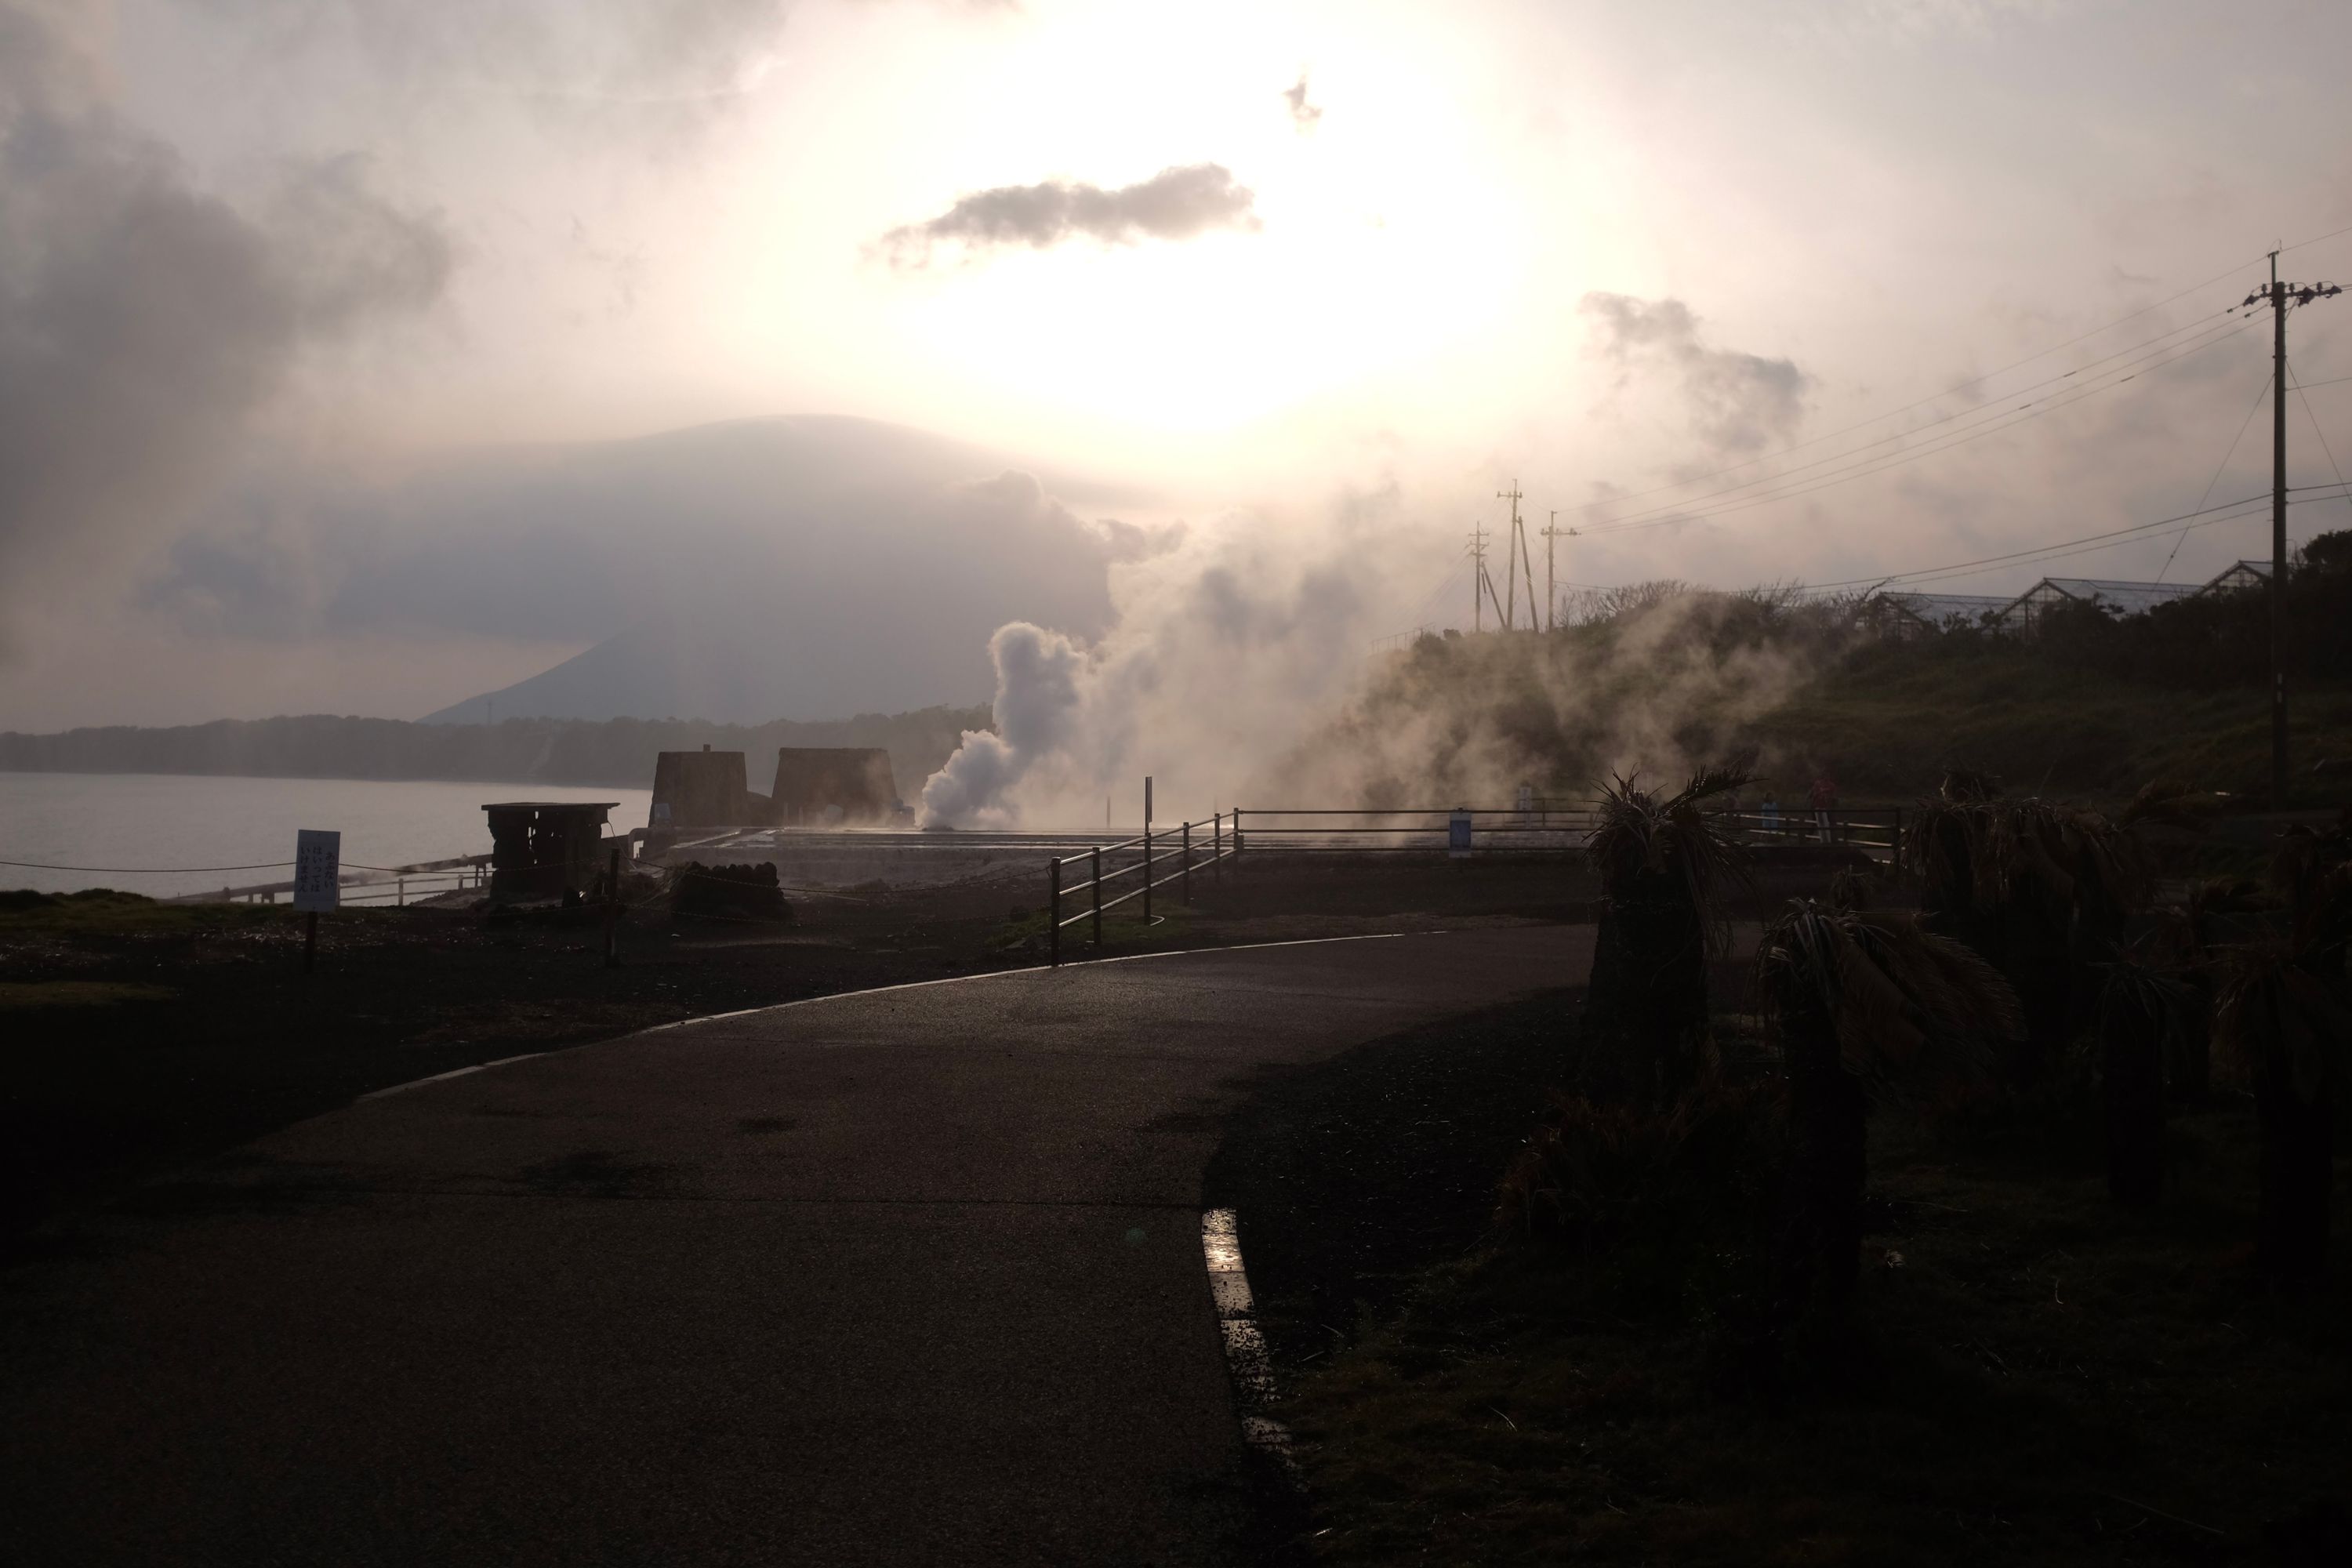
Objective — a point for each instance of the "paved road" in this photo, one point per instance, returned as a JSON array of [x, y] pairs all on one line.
[[900, 1277]]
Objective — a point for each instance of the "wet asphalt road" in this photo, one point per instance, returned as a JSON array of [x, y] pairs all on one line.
[[903, 1277]]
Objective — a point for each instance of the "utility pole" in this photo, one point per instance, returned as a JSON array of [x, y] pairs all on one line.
[[2277, 296], [1552, 534], [1514, 550], [1479, 586]]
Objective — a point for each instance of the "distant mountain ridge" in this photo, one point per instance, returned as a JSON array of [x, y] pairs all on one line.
[[792, 566], [617, 752]]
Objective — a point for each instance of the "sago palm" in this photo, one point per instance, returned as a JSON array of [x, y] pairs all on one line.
[[2284, 1020], [1864, 1005], [2142, 1018], [2038, 888], [1666, 870]]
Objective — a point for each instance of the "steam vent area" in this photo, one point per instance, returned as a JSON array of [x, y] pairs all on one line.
[[831, 818]]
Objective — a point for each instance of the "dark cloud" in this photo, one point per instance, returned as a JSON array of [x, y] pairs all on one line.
[[1303, 114], [1736, 402], [1175, 204], [143, 322]]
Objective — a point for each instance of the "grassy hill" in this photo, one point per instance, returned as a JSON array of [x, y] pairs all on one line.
[[2094, 706], [1888, 720]]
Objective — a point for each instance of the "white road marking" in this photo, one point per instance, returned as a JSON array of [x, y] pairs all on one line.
[[1252, 1372], [455, 1072], [910, 985]]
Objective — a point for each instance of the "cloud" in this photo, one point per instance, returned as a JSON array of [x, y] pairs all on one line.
[[1303, 114], [1175, 204], [1736, 402], [143, 322]]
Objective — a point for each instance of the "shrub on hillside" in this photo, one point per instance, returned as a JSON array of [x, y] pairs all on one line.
[[728, 892]]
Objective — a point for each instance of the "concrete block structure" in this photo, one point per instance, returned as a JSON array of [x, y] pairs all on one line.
[[546, 848], [705, 789], [818, 786]]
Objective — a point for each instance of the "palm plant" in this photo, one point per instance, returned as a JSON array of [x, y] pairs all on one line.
[[2284, 1028], [2188, 944], [2284, 1018], [2141, 1015], [1864, 1005], [1666, 870], [2039, 889]]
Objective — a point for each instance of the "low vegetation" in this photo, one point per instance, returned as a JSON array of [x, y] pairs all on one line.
[[2092, 705], [1948, 1240]]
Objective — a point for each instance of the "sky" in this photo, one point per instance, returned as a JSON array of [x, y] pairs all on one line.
[[1313, 281]]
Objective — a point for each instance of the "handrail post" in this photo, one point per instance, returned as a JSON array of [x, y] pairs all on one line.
[[1184, 888], [1054, 911], [1097, 852], [1217, 862], [612, 907], [1147, 871], [1237, 833]]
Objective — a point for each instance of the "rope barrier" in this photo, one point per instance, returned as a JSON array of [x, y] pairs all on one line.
[[159, 871]]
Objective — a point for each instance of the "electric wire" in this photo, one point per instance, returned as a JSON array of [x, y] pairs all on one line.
[[2250, 411], [2315, 430], [2136, 530], [2257, 506], [2005, 420], [1937, 396], [1980, 416]]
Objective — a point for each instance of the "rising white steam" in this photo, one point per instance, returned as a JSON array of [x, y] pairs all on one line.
[[1038, 676], [1226, 646], [1240, 671]]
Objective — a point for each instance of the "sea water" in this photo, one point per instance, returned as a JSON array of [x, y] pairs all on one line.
[[168, 834]]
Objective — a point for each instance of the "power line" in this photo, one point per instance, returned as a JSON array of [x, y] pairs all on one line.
[[1998, 421], [2315, 239], [1981, 412], [2315, 430], [1948, 392], [2131, 530], [2251, 409], [2066, 549]]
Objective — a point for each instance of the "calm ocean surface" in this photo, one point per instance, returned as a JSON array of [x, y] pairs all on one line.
[[150, 821]]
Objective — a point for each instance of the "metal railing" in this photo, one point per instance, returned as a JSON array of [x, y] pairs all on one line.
[[370, 884], [1219, 846], [1543, 828], [1876, 831]]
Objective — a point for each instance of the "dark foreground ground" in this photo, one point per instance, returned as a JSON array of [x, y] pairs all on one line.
[[906, 1276], [2040, 1377], [143, 1036]]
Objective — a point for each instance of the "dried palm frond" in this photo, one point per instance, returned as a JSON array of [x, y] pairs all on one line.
[[2139, 999], [1851, 889], [2313, 872], [1940, 840], [2271, 1012], [1964, 784], [2173, 802], [1901, 1002], [1639, 836], [2001, 850]]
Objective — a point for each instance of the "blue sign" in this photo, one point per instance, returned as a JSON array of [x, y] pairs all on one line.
[[1457, 833]]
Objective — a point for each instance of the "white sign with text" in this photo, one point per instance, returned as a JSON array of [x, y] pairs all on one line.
[[317, 869]]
